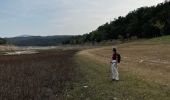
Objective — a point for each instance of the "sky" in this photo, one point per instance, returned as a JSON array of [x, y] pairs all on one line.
[[61, 17]]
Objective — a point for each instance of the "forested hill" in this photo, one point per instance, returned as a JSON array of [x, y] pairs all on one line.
[[144, 22], [2, 41], [37, 40]]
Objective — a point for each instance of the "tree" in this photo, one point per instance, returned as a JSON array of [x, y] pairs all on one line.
[[144, 22], [2, 41]]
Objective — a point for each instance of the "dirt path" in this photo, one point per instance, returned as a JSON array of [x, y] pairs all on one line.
[[150, 62], [96, 84]]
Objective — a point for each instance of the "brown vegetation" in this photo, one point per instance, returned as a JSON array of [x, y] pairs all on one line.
[[43, 76]]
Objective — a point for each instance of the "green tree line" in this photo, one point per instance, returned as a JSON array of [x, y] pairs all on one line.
[[144, 22], [2, 41]]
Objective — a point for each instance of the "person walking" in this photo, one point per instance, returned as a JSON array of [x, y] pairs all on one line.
[[114, 68]]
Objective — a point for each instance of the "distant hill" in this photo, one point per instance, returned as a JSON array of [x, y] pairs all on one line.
[[37, 40], [24, 36]]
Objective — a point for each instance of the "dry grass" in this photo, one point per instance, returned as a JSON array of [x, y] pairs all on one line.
[[51, 74], [96, 76], [151, 62], [43, 76]]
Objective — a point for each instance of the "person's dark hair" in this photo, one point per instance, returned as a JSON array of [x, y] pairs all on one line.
[[114, 49]]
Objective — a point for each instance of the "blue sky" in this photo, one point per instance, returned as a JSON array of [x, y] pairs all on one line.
[[61, 17]]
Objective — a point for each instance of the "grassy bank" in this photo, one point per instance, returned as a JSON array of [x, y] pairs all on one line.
[[155, 41], [95, 83]]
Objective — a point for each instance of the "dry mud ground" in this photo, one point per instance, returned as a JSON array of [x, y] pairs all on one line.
[[43, 76], [7, 48]]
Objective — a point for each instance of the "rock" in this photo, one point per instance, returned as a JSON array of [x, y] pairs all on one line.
[[85, 86]]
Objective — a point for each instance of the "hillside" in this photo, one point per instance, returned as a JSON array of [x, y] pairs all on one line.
[[2, 41], [144, 22], [37, 40]]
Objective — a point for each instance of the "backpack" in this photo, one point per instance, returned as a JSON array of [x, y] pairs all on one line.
[[118, 58]]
